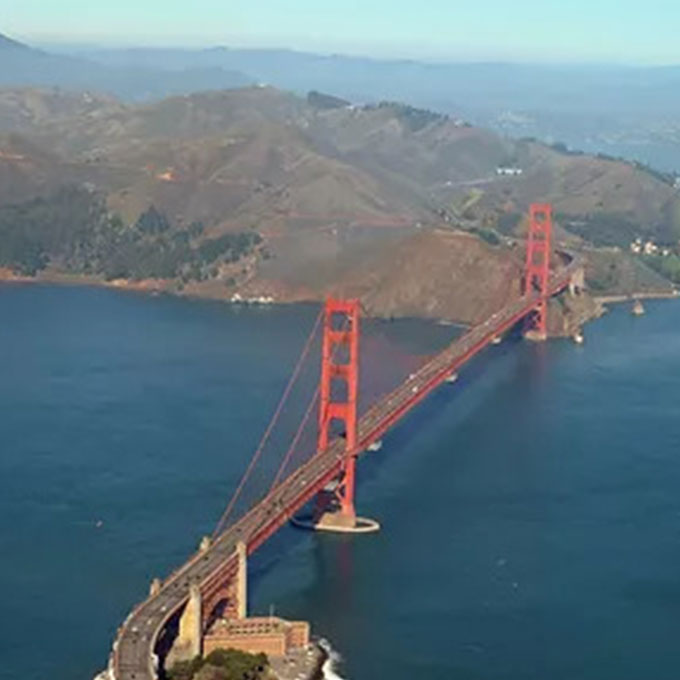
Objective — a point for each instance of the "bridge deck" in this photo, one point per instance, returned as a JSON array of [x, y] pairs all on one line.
[[132, 653]]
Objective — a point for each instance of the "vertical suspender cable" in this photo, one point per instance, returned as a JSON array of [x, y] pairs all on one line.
[[265, 438]]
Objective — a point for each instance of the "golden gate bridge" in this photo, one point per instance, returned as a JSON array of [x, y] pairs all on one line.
[[216, 574]]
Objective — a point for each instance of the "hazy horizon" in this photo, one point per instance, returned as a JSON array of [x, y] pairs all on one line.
[[69, 46], [528, 31]]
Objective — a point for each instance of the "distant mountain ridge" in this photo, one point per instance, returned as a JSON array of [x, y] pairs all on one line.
[[615, 109], [9, 44], [466, 87], [25, 66]]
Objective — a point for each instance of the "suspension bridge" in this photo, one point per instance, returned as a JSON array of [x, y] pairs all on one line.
[[215, 576]]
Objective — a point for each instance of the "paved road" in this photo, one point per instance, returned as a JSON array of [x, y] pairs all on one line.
[[132, 656]]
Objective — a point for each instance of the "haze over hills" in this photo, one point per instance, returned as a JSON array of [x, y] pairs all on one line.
[[619, 110], [470, 87], [261, 192], [194, 156], [9, 44]]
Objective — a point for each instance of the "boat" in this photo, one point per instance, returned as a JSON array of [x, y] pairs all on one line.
[[452, 378], [375, 446], [497, 340], [637, 309], [578, 338]]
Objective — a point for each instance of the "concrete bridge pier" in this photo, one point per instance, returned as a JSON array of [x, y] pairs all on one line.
[[242, 581], [188, 645]]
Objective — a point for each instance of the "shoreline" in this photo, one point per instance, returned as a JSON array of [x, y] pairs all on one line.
[[156, 287], [55, 279], [577, 317], [148, 286], [324, 658]]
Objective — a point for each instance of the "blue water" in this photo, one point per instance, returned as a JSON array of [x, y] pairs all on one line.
[[530, 512]]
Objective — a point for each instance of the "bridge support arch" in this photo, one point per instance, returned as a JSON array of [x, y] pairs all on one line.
[[223, 595], [537, 269]]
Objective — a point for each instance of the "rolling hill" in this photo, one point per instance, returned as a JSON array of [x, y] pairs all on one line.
[[358, 198], [617, 109]]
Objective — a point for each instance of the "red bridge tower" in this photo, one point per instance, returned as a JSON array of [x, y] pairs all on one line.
[[340, 364], [537, 272]]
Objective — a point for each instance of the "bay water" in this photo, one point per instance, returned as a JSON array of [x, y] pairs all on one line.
[[530, 512]]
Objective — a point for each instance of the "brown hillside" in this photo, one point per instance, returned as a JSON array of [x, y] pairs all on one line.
[[366, 201], [259, 155], [579, 185], [33, 111], [436, 274], [26, 170]]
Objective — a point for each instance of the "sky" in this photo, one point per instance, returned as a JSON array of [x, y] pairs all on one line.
[[621, 31]]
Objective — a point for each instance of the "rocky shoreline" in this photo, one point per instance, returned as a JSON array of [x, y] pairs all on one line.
[[575, 313], [306, 665]]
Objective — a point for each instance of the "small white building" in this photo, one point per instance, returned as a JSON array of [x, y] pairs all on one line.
[[509, 171]]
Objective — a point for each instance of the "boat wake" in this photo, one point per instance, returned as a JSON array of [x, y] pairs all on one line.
[[330, 666]]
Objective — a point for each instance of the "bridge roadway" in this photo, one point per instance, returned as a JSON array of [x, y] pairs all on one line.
[[132, 656]]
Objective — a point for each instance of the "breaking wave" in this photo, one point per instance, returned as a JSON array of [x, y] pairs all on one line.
[[330, 666]]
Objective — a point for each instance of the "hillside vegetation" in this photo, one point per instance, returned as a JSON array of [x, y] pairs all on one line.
[[72, 229], [258, 191]]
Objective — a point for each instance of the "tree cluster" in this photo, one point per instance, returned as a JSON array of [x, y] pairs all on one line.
[[319, 100], [222, 664], [666, 266], [413, 118], [73, 229], [603, 229]]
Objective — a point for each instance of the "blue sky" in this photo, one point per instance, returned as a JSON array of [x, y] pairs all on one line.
[[626, 31]]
